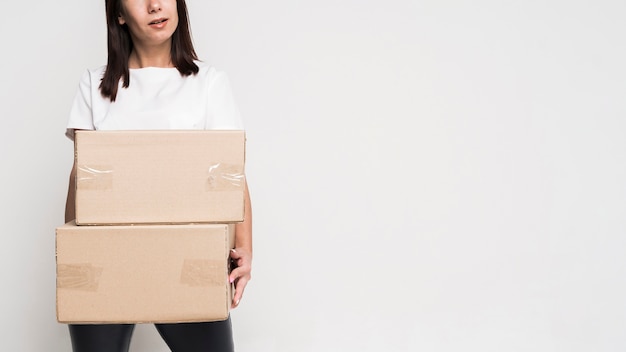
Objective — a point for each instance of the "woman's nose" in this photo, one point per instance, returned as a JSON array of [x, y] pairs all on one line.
[[154, 6]]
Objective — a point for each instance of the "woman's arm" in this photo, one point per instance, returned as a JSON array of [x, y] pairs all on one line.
[[70, 203], [242, 254]]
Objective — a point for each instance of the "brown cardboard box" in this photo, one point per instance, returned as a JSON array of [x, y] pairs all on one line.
[[166, 177], [143, 273]]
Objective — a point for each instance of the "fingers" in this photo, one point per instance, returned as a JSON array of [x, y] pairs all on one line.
[[240, 275], [240, 286], [234, 254]]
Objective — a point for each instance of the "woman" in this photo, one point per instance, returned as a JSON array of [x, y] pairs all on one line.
[[154, 80]]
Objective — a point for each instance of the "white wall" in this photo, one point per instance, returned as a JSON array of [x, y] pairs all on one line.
[[433, 176]]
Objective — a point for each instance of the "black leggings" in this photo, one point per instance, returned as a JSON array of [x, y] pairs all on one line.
[[185, 337]]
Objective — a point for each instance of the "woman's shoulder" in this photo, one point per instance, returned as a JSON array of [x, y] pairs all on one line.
[[209, 71], [97, 71], [90, 79], [93, 75]]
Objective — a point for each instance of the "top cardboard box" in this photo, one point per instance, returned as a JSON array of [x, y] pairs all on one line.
[[159, 177]]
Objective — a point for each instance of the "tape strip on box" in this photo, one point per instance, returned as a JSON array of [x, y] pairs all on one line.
[[85, 277]]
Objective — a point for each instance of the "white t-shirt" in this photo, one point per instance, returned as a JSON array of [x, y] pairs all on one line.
[[157, 99]]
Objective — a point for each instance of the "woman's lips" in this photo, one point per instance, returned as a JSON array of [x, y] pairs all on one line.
[[158, 23]]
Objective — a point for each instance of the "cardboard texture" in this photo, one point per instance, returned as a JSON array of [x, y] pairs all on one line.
[[159, 177], [143, 273]]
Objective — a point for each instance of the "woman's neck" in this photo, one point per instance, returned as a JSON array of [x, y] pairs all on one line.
[[142, 57]]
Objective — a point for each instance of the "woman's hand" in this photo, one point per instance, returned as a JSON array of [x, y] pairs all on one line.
[[241, 256], [241, 274]]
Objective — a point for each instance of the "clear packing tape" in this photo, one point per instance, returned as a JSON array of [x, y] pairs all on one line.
[[223, 176], [194, 272], [94, 177], [85, 277], [203, 272], [219, 177]]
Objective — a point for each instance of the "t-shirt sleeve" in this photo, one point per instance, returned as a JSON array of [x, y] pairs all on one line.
[[223, 113], [81, 113]]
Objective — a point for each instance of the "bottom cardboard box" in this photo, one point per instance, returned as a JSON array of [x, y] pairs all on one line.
[[143, 273]]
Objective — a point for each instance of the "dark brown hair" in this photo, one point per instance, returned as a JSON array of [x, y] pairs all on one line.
[[120, 45]]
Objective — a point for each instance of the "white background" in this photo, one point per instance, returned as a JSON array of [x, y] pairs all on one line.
[[435, 176]]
